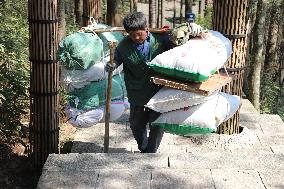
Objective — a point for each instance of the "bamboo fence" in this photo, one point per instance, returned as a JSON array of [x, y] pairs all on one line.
[[44, 79], [231, 19]]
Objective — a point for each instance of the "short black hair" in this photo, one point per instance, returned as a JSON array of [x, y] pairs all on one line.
[[135, 21]]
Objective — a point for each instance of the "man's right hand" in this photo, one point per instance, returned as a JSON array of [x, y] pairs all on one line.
[[195, 29], [110, 67]]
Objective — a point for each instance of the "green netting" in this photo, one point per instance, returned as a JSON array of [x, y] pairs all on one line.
[[80, 50], [183, 130], [93, 95], [108, 36]]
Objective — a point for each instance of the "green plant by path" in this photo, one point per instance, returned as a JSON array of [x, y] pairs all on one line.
[[14, 64]]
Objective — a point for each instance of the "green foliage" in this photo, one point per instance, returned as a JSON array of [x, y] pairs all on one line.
[[14, 66], [71, 25], [271, 100], [205, 22]]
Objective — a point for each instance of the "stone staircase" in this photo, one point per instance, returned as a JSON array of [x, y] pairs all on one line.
[[252, 159]]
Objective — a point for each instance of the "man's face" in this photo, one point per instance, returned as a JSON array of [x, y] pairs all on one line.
[[138, 36]]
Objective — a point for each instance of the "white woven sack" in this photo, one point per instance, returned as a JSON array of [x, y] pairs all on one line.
[[169, 99], [81, 119], [75, 79], [117, 108], [209, 114], [196, 60]]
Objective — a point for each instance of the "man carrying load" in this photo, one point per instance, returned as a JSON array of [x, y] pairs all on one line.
[[139, 47]]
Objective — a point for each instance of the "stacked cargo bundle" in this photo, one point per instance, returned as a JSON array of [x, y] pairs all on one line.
[[83, 56], [191, 66]]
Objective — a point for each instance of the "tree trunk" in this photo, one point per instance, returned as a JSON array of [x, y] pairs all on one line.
[[135, 3], [175, 14], [281, 52], [162, 13], [78, 12], [158, 13], [131, 5], [271, 65], [257, 54], [251, 21], [188, 6], [62, 21], [280, 58], [200, 7], [113, 16], [181, 13], [151, 13], [91, 8]]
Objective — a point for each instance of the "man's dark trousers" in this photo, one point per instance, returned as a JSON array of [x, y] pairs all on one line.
[[139, 117]]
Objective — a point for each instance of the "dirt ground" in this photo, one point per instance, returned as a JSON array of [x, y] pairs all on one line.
[[16, 166]]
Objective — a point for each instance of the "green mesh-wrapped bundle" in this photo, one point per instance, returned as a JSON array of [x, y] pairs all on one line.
[[108, 36], [93, 95], [80, 50]]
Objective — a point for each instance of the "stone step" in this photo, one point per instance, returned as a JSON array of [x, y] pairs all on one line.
[[136, 170], [252, 159], [211, 160], [262, 135], [247, 107]]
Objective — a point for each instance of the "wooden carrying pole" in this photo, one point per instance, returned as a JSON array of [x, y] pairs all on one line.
[[44, 79], [112, 46], [121, 29], [230, 18]]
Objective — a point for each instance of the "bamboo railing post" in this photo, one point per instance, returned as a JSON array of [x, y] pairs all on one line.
[[44, 79], [112, 46], [230, 18], [91, 8]]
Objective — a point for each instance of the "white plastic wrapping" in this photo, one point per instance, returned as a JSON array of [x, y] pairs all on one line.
[[84, 119], [169, 99], [75, 79], [209, 114]]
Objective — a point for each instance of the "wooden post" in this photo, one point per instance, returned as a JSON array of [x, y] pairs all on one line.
[[44, 79], [112, 46], [91, 8], [230, 18]]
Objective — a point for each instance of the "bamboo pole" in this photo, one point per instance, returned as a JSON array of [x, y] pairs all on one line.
[[44, 79], [112, 46], [231, 19]]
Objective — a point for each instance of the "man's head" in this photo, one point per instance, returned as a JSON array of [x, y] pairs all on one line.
[[135, 25]]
